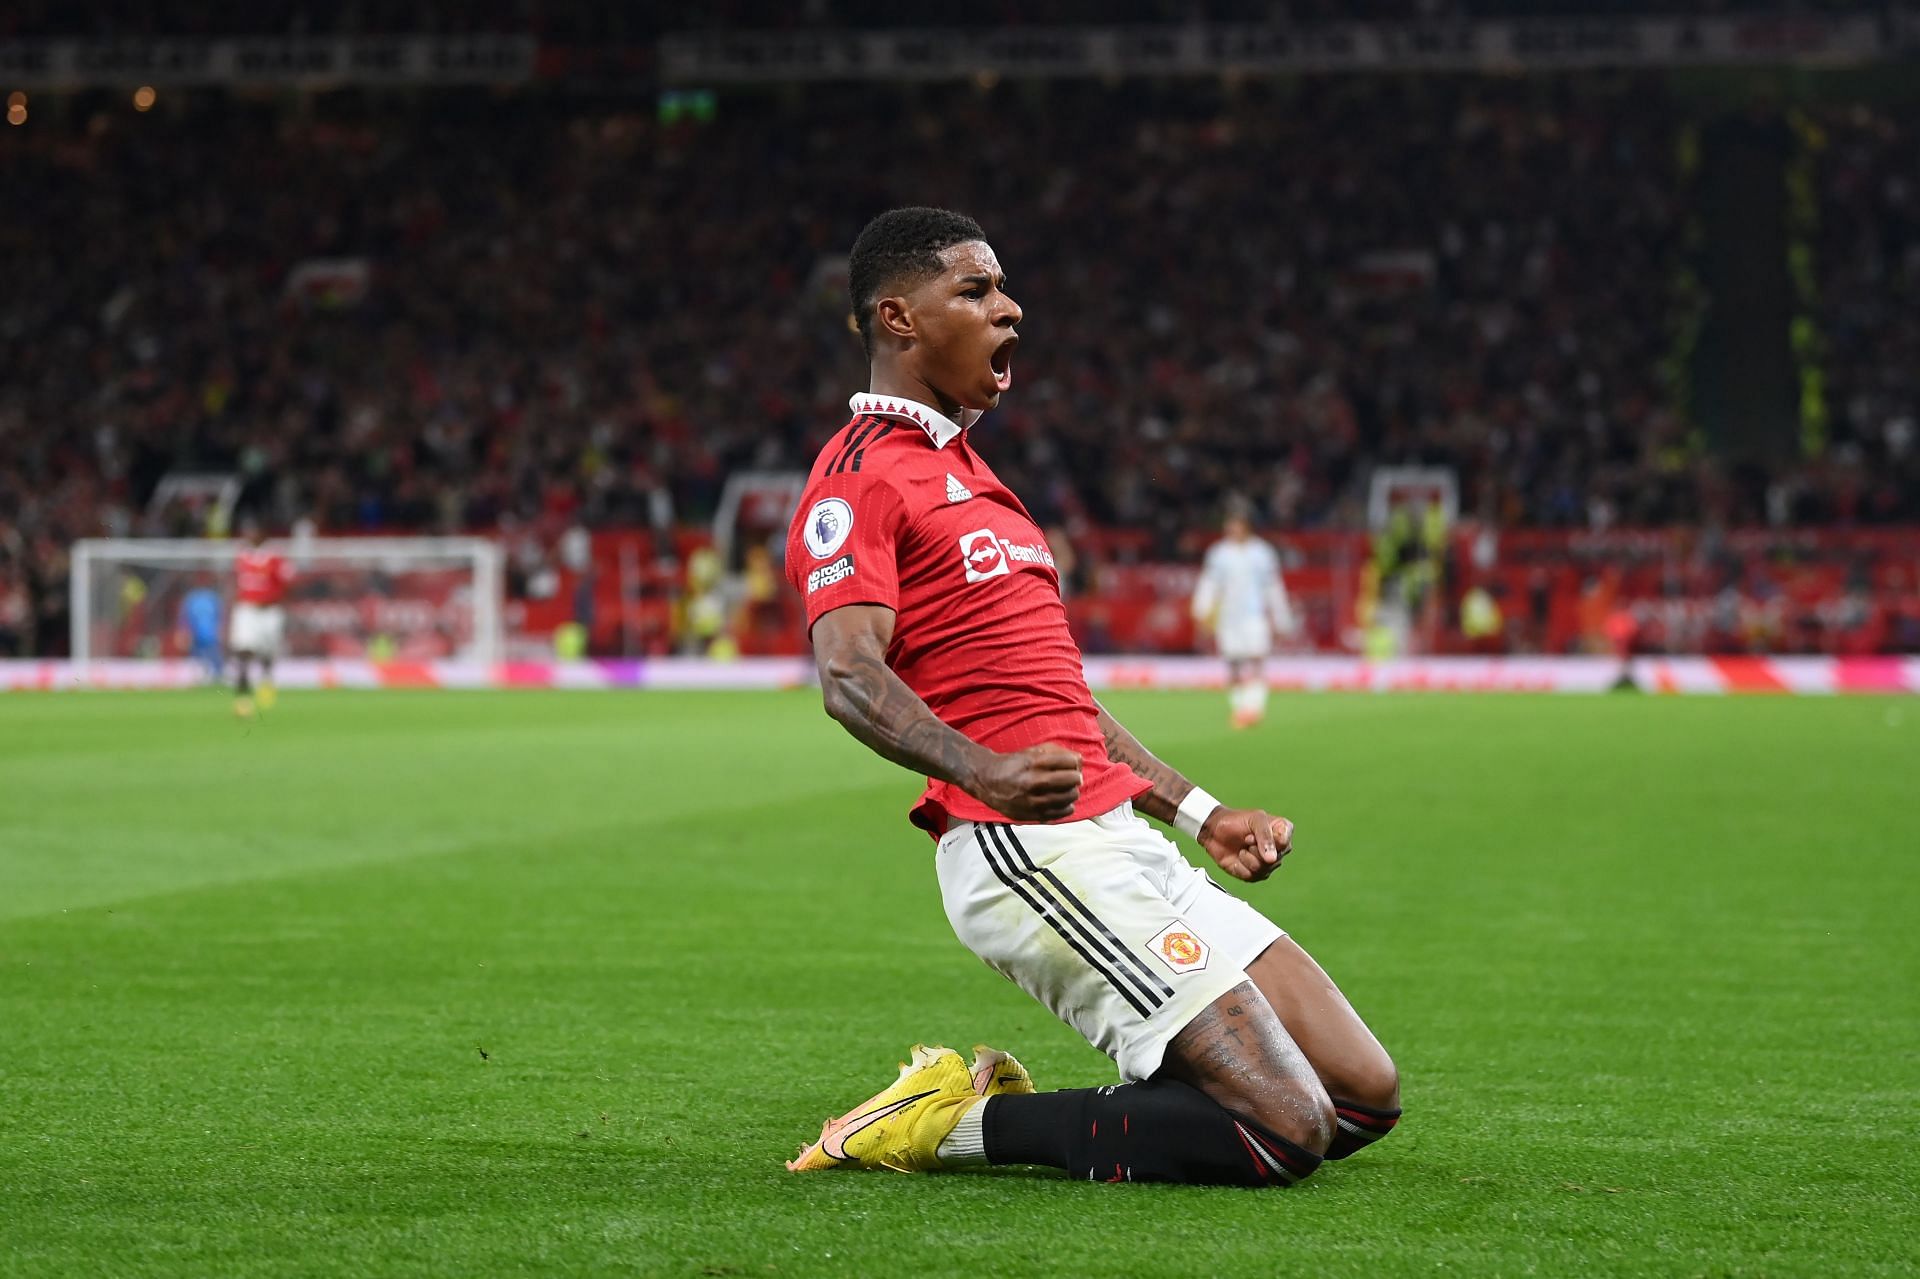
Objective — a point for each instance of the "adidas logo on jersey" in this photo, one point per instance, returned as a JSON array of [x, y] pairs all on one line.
[[956, 491]]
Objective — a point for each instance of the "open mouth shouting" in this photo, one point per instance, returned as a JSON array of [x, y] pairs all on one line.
[[1001, 363]]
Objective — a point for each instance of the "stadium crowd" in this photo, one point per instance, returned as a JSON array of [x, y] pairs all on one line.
[[1868, 318], [602, 22], [524, 315]]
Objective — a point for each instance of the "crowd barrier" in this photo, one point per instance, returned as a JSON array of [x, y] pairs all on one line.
[[1436, 674]]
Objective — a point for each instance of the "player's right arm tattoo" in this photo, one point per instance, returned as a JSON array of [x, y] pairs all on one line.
[[1169, 787], [875, 705]]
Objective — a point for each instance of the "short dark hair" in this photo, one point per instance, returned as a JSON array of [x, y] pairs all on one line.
[[900, 246]]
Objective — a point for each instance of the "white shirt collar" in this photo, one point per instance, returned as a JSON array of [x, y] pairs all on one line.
[[939, 427]]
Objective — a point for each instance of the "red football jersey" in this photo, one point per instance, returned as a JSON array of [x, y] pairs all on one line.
[[900, 511], [261, 577]]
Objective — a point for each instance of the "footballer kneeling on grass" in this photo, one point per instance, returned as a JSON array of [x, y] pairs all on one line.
[[942, 644]]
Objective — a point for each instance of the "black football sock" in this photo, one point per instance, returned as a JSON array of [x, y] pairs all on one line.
[[1157, 1131], [1358, 1127]]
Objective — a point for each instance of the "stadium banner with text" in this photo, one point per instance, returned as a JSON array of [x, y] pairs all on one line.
[[1712, 675], [31, 64], [1529, 44]]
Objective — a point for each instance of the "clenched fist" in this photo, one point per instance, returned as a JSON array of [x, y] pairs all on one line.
[[1247, 842], [1038, 784]]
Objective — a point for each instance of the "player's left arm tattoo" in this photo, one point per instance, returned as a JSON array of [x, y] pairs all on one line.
[[1169, 787]]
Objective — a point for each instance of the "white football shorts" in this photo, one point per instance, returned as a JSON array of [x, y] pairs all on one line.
[[1104, 922], [256, 628], [1244, 638]]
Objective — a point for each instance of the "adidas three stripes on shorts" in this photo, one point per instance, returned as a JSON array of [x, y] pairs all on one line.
[[1104, 922]]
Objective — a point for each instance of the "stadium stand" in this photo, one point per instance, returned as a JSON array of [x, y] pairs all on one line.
[[551, 318], [573, 20]]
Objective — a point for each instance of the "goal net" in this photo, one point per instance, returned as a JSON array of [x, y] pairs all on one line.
[[374, 599]]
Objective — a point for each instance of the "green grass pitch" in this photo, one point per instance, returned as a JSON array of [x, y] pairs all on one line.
[[525, 983]]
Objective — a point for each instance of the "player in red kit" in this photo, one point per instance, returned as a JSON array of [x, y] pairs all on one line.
[[942, 643], [260, 580]]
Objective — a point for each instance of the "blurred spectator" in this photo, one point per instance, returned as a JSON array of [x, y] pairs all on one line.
[[16, 615], [1869, 304]]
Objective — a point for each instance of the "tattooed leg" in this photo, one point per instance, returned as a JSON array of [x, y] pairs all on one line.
[[1238, 1052], [1237, 1104], [1357, 1072]]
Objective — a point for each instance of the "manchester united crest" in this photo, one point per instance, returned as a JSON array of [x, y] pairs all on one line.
[[1180, 949]]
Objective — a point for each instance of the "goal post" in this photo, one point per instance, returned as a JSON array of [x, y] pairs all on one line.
[[402, 598]]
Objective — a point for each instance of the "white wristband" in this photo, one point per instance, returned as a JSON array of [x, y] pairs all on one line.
[[1194, 811]]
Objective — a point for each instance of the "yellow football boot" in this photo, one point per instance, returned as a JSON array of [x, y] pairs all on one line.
[[996, 1073], [901, 1126], [268, 695]]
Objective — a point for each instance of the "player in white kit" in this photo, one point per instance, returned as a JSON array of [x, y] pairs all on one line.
[[1242, 599]]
